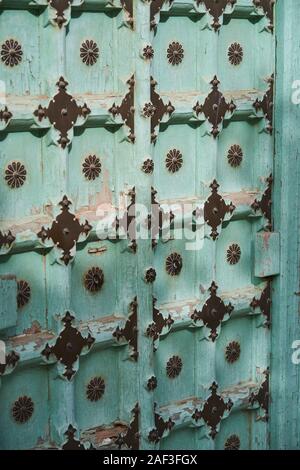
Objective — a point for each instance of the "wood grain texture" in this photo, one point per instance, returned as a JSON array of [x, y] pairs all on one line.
[[285, 430]]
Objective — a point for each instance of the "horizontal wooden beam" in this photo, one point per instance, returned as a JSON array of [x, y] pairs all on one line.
[[181, 412], [104, 436], [23, 107], [29, 346]]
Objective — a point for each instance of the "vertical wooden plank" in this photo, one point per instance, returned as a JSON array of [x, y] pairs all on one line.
[[285, 406], [58, 276], [143, 197]]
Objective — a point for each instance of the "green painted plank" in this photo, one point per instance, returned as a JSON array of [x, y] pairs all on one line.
[[285, 406]]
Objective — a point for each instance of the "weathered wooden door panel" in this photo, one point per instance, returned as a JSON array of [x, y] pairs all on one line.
[[156, 342], [241, 160]]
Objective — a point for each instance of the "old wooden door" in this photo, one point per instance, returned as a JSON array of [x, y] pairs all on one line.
[[159, 341]]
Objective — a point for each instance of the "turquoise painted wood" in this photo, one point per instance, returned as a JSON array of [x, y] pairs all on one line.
[[285, 375], [95, 391]]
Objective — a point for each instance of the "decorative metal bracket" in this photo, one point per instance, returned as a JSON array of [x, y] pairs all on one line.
[[213, 410], [11, 360], [68, 347], [155, 329], [264, 304], [65, 231], [130, 331], [268, 8], [161, 427], [262, 396], [60, 6], [62, 112], [265, 204], [6, 239], [5, 115], [215, 107], [131, 439], [157, 218], [126, 109], [155, 7], [72, 443], [159, 109], [215, 210], [267, 105], [213, 313], [128, 8], [216, 9]]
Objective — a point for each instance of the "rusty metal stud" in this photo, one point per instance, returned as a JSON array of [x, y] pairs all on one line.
[[11, 52], [213, 410], [154, 330], [152, 383], [62, 112], [265, 204], [11, 361], [60, 20], [150, 275], [161, 426], [148, 52], [23, 409], [174, 367], [174, 160], [89, 52], [215, 107], [15, 175], [68, 346], [235, 155], [233, 254], [216, 9], [131, 439], [94, 279], [148, 166], [5, 115], [235, 53], [149, 110], [126, 109], [232, 352], [174, 264], [215, 210], [268, 9], [262, 397], [175, 53], [23, 293], [6, 239], [65, 231], [266, 104], [160, 109], [91, 167], [232, 443], [95, 389], [72, 443], [130, 331], [264, 303], [213, 312]]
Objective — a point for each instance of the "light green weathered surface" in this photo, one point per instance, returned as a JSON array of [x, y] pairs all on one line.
[[8, 301], [50, 52], [285, 429]]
